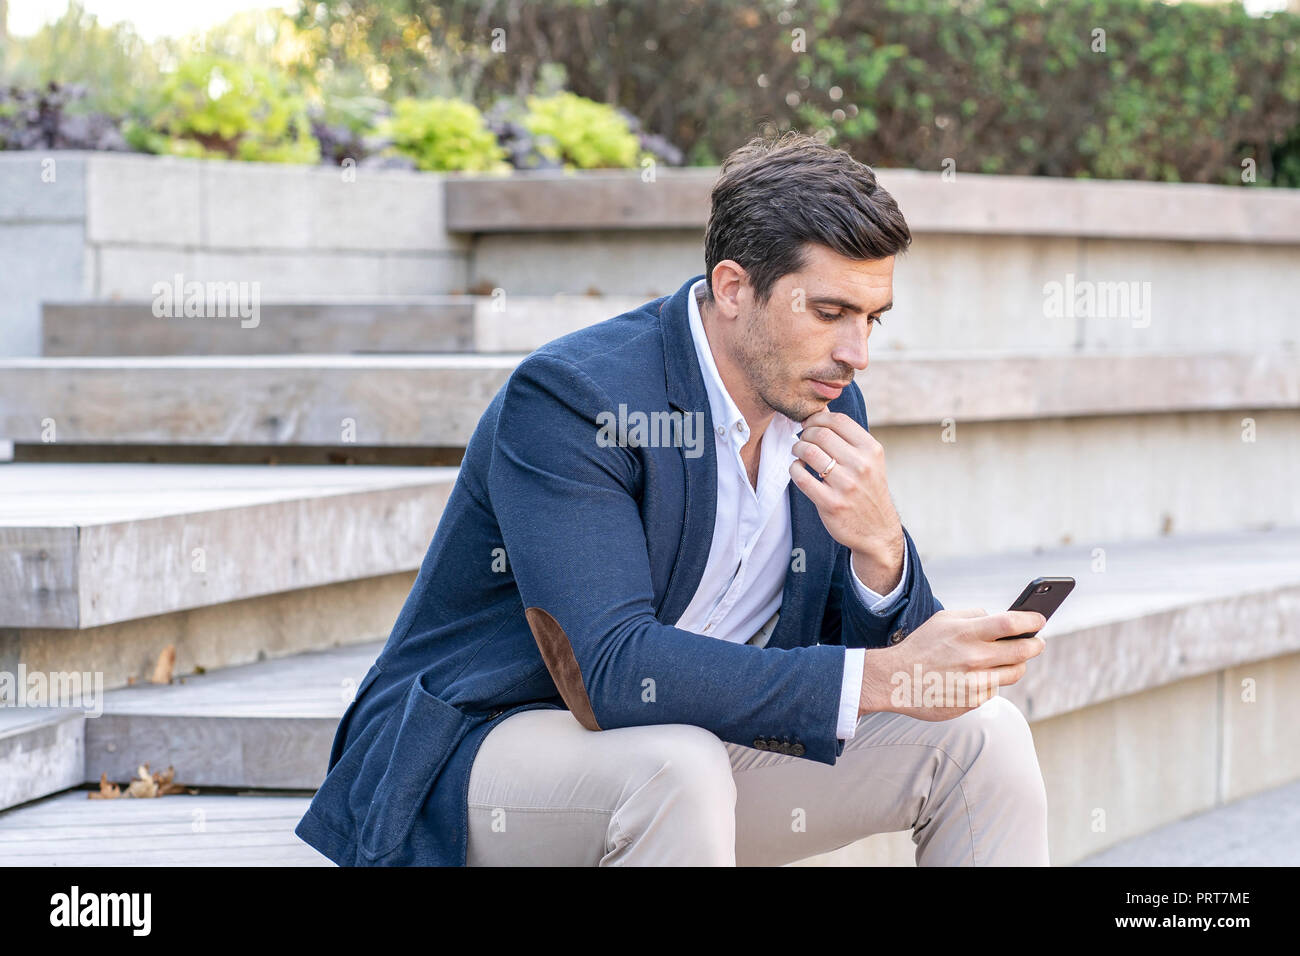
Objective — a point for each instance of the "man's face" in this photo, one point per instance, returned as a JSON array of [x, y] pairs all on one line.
[[811, 335]]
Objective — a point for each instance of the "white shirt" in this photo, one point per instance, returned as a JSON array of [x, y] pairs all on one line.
[[740, 590]]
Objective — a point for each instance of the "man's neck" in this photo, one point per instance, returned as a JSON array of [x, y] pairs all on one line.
[[757, 415]]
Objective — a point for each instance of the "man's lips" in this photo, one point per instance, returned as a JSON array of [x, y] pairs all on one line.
[[828, 389]]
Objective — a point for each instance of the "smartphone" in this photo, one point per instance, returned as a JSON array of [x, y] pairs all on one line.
[[1043, 595]]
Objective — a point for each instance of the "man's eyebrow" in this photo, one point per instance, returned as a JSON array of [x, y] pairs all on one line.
[[846, 304]]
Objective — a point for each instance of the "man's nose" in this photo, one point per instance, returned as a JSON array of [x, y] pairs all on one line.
[[853, 352]]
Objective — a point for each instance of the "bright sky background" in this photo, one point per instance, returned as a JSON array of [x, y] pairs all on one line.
[[151, 18], [155, 18]]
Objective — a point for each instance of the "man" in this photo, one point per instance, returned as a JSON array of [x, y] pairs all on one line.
[[663, 616]]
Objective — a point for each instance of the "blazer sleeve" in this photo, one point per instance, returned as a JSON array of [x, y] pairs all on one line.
[[848, 620], [569, 515]]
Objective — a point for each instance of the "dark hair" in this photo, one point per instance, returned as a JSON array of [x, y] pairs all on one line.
[[773, 196]]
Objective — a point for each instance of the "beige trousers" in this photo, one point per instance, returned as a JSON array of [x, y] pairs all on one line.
[[546, 791]]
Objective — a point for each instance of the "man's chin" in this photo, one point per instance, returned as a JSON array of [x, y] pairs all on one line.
[[804, 409], [800, 404]]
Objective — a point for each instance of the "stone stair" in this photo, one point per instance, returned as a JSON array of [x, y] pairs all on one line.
[[259, 497], [1150, 618]]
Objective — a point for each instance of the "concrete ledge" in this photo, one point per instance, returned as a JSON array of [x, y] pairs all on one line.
[[971, 203], [1103, 701], [220, 635], [263, 725], [429, 324], [251, 400], [1157, 612], [1168, 686], [176, 831], [225, 204], [1138, 628], [88, 545], [41, 752], [290, 400], [43, 186]]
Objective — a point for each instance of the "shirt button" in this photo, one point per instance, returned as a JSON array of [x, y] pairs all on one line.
[[899, 635], [721, 430]]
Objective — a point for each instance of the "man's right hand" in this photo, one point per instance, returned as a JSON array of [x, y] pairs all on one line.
[[959, 659]]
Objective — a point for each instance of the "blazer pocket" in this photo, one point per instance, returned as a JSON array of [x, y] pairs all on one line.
[[341, 732], [430, 729]]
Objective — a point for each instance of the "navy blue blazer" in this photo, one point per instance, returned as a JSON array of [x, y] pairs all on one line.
[[553, 580]]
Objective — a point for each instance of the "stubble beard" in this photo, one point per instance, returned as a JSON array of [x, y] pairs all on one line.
[[768, 376]]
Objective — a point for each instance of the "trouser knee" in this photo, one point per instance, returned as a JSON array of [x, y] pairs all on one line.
[[1006, 751], [693, 764]]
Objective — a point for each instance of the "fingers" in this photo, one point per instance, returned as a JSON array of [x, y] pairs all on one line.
[[965, 612], [843, 425], [1014, 653], [1007, 674], [817, 446], [816, 491], [814, 456], [1007, 624]]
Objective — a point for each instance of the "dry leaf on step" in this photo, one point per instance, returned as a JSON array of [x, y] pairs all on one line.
[[162, 672], [107, 791], [143, 785], [166, 785]]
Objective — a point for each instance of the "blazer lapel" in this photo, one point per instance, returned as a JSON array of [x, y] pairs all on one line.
[[813, 548], [812, 553], [686, 393]]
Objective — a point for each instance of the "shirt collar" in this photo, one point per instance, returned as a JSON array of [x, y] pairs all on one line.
[[726, 414]]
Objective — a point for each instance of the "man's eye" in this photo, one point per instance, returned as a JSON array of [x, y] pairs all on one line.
[[879, 320], [828, 316]]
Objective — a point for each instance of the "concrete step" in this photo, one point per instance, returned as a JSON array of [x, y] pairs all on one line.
[[267, 725], [103, 567], [349, 401], [617, 201], [177, 830], [427, 324], [257, 830], [42, 750], [1159, 613], [90, 545], [1261, 830], [264, 725], [1143, 614]]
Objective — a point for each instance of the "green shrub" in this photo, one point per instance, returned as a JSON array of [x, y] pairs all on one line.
[[1178, 93], [581, 133], [212, 106], [1184, 90], [444, 135]]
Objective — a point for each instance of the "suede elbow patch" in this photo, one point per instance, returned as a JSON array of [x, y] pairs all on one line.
[[557, 653]]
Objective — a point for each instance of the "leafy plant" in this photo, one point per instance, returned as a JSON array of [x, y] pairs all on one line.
[[580, 133], [213, 106], [1114, 89], [444, 135]]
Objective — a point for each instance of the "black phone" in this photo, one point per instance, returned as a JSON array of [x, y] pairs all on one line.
[[1043, 595]]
